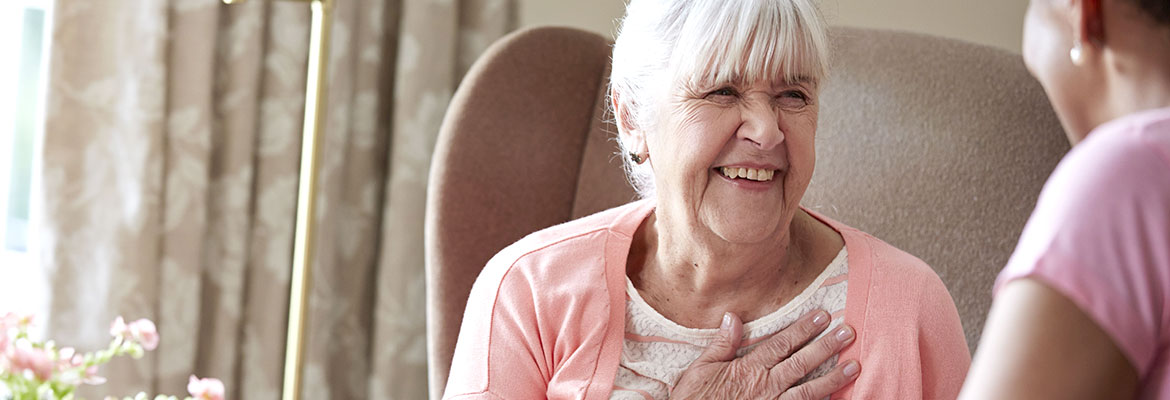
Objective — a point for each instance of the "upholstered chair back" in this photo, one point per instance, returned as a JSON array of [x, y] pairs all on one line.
[[937, 146]]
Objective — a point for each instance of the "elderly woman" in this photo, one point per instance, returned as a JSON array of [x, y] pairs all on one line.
[[716, 103], [1082, 310]]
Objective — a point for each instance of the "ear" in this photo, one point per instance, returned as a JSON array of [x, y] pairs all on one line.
[[632, 137], [1089, 25]]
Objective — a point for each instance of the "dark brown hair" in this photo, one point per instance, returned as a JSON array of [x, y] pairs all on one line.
[[1159, 10]]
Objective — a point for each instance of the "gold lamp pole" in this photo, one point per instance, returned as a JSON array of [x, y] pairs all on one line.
[[316, 89]]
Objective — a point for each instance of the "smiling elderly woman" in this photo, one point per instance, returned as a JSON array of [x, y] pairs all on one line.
[[716, 103]]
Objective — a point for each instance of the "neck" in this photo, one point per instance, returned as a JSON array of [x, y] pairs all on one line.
[[1137, 84], [696, 270], [1136, 69]]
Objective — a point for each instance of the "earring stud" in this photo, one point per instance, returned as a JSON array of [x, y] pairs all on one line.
[[1076, 54], [636, 158]]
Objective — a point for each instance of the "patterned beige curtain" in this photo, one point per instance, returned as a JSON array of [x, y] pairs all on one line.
[[169, 180]]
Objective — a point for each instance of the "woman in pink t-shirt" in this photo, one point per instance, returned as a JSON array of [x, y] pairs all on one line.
[[1081, 309]]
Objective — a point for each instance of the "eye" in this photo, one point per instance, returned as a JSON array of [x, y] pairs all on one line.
[[794, 94], [722, 92], [793, 98]]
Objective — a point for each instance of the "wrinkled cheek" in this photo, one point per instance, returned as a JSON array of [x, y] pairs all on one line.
[[797, 179]]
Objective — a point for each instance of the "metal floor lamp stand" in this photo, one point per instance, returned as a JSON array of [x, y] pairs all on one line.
[[316, 89]]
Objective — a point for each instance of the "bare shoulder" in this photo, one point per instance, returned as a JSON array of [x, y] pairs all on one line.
[[1039, 344]]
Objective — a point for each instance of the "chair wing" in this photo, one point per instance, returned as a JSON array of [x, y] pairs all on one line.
[[937, 146], [523, 146]]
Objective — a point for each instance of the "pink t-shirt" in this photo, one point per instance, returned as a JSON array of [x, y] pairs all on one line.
[[1100, 235]]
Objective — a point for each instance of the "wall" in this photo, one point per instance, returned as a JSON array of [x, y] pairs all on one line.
[[992, 22]]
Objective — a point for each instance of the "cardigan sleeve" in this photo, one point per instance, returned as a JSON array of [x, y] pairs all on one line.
[[910, 341], [942, 345], [498, 354], [537, 323]]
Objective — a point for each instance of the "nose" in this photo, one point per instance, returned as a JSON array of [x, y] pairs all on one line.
[[761, 126]]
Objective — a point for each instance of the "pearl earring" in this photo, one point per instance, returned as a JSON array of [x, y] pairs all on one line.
[[1076, 54]]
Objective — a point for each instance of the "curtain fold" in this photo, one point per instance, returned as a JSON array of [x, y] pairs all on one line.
[[169, 185]]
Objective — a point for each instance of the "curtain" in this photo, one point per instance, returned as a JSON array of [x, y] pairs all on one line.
[[169, 185]]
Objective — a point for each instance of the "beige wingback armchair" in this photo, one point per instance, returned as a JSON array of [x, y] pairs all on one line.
[[937, 146]]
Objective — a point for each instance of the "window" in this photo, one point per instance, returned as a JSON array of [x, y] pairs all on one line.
[[24, 45]]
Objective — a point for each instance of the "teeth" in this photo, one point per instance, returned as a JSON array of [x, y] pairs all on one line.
[[755, 174]]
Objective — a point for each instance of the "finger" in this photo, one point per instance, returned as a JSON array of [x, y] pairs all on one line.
[[724, 346], [805, 360], [781, 345], [826, 385]]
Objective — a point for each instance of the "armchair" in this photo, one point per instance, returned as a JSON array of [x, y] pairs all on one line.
[[935, 145]]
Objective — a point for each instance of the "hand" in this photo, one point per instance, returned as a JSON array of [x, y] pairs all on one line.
[[770, 370]]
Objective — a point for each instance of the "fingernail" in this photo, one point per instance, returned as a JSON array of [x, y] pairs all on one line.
[[821, 319], [726, 322], [844, 334], [851, 369]]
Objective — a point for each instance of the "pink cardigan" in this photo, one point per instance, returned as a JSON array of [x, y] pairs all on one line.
[[546, 317]]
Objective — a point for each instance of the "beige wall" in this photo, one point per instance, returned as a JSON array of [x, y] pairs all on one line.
[[991, 22]]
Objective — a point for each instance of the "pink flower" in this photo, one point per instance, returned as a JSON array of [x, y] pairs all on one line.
[[91, 378], [118, 328], [205, 389], [14, 320], [24, 357], [141, 331], [68, 358], [144, 332]]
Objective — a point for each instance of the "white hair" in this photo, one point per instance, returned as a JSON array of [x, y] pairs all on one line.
[[663, 44]]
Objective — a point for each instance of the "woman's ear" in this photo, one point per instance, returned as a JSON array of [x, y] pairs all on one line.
[[633, 138], [1088, 23]]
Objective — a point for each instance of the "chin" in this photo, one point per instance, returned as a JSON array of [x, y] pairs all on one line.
[[746, 229]]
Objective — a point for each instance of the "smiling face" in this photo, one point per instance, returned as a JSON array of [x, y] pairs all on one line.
[[735, 158], [720, 96]]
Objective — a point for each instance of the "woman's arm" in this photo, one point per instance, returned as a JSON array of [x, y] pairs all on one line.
[[498, 354], [1038, 344], [942, 344]]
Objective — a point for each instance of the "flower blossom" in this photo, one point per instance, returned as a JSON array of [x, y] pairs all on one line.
[[68, 358], [141, 331], [205, 388], [90, 377], [10, 321], [118, 327], [15, 320], [69, 365], [24, 357]]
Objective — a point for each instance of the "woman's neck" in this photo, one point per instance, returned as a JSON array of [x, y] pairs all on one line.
[[692, 276], [1135, 73], [1137, 84]]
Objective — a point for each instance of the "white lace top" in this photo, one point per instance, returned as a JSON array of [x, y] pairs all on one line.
[[656, 350]]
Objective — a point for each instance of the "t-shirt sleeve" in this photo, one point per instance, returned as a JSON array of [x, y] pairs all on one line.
[[1100, 235]]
